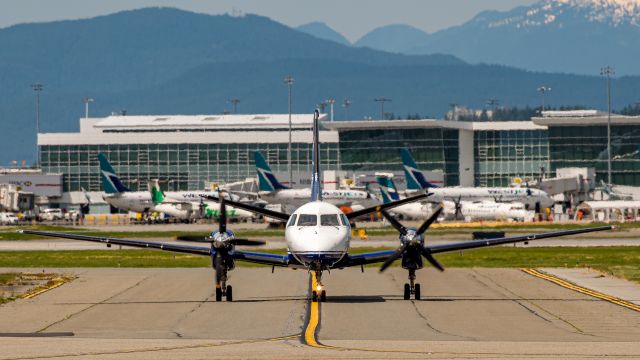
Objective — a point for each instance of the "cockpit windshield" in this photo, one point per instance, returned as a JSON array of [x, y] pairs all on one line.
[[308, 220], [329, 220]]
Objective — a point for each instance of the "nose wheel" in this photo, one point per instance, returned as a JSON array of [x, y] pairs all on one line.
[[412, 288], [319, 294], [222, 289]]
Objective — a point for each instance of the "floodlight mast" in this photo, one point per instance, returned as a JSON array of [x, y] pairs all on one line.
[[382, 100], [289, 81], [37, 87], [607, 72]]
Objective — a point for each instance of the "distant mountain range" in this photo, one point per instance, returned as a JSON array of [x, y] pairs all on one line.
[[168, 61], [323, 31], [572, 36]]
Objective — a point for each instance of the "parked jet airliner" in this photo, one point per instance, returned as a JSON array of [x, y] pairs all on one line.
[[318, 239], [417, 182]]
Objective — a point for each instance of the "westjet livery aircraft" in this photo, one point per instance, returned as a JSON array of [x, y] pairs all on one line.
[[274, 192], [318, 237], [179, 204], [389, 193], [417, 182], [474, 210], [185, 209]]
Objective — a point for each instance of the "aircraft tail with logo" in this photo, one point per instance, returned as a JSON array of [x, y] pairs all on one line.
[[157, 196], [110, 181], [415, 178], [387, 189], [267, 181]]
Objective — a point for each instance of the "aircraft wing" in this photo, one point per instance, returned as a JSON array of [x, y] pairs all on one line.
[[381, 256], [364, 259], [262, 258], [187, 249], [474, 244], [391, 205]]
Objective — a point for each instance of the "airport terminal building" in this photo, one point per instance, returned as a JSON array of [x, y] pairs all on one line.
[[189, 152]]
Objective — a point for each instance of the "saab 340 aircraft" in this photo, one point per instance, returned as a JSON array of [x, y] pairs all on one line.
[[318, 236], [417, 182]]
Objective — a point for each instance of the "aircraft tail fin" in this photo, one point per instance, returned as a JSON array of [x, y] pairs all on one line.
[[316, 192], [110, 181], [387, 189], [267, 181], [157, 196], [415, 178]]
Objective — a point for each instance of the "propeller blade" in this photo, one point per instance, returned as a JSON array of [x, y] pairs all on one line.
[[193, 238], [247, 242], [395, 223], [393, 257], [429, 221], [222, 219], [436, 264]]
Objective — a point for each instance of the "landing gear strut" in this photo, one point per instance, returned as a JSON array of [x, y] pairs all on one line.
[[222, 289], [411, 288], [319, 294]]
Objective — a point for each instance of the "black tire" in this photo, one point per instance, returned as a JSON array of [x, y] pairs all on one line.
[[407, 292], [314, 296], [323, 296], [218, 294], [416, 292], [229, 293]]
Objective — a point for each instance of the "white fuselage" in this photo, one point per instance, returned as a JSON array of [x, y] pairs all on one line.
[[489, 210], [529, 197], [318, 234], [298, 197], [413, 211], [180, 204]]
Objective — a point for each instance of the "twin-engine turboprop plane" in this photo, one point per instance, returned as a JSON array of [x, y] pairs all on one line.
[[318, 235]]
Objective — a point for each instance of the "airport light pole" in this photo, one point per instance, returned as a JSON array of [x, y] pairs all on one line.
[[543, 90], [607, 72], [37, 87], [289, 81], [345, 104], [381, 100], [86, 101], [331, 102], [235, 102]]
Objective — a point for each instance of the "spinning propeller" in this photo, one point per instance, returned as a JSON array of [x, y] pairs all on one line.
[[222, 239], [412, 240]]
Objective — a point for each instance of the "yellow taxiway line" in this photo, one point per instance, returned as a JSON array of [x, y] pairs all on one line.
[[314, 319], [56, 283], [582, 290]]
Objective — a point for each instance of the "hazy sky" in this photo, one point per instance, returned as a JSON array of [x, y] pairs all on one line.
[[352, 18]]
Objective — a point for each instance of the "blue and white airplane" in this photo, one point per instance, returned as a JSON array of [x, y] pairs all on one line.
[[417, 182], [318, 237]]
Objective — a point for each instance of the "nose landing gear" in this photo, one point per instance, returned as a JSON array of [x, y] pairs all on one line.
[[411, 288], [222, 289], [318, 294]]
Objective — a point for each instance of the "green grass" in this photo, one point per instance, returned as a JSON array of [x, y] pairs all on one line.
[[8, 278], [619, 261]]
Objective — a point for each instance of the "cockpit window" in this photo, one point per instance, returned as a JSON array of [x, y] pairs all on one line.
[[345, 221], [292, 220], [308, 220], [329, 220]]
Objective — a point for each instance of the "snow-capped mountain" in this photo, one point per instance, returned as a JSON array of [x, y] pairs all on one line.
[[555, 12], [572, 36]]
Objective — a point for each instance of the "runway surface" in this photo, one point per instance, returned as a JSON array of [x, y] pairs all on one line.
[[171, 314]]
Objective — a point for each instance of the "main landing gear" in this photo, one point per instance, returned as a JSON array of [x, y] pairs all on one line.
[[222, 289], [412, 288], [319, 294]]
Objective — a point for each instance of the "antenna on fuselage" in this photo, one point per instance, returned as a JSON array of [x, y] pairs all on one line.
[[316, 193]]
